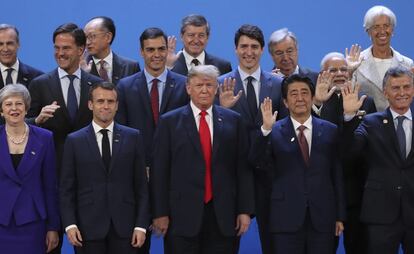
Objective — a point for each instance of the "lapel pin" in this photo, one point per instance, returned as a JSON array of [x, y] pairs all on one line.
[[33, 152], [116, 77], [25, 79], [385, 121], [116, 140], [319, 134], [292, 139], [219, 119], [171, 85], [89, 83]]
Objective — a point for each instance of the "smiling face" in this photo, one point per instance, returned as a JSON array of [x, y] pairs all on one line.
[[339, 69], [154, 52], [8, 47], [98, 39], [249, 51], [285, 56], [381, 31], [399, 92], [67, 53], [195, 39], [14, 110]]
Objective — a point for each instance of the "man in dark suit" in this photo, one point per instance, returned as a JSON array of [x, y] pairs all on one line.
[[384, 141], [242, 90], [12, 70], [307, 206], [283, 48], [195, 32], [104, 197], [201, 186], [328, 106], [144, 96], [101, 60]]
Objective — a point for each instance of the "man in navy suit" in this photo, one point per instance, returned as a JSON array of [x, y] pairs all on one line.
[[144, 96], [101, 60], [201, 187], [195, 32], [242, 90], [104, 197], [12, 70], [384, 141], [307, 206], [283, 48]]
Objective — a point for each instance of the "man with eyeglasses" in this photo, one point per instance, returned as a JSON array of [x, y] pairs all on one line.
[[101, 60], [283, 47], [195, 32], [328, 104]]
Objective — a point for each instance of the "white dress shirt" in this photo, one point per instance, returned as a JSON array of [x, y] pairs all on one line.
[[14, 73], [64, 84], [209, 118], [255, 82], [108, 64], [188, 59]]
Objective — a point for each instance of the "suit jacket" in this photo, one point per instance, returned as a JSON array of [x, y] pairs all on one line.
[[371, 83], [389, 188], [121, 67], [177, 176], [25, 75], [354, 171], [134, 108], [29, 193], [221, 64], [92, 197], [44, 90], [297, 187], [304, 72]]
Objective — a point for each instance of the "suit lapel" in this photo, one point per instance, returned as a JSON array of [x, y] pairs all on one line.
[[85, 84], [117, 141], [217, 130], [57, 93], [94, 70], [242, 100], [141, 84], [368, 69], [191, 128], [6, 165], [181, 66], [93, 146], [291, 138], [317, 135], [31, 155], [169, 88], [117, 68], [265, 91], [22, 75], [388, 121]]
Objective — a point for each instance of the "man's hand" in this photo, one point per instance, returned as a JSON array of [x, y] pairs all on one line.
[[339, 228], [269, 118], [172, 56], [83, 64], [52, 240], [138, 239], [160, 225], [353, 58], [242, 223], [323, 90], [46, 113], [351, 103], [74, 237], [277, 72], [227, 98]]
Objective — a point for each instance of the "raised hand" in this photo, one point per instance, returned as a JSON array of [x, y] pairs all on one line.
[[277, 72], [226, 96], [172, 56], [323, 90], [86, 66], [351, 103], [353, 58], [47, 112], [269, 118]]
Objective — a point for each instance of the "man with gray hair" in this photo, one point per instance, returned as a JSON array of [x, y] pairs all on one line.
[[12, 70], [283, 47], [201, 186], [384, 141], [195, 32]]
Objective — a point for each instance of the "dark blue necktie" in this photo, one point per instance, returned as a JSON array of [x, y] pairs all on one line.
[[251, 97], [72, 102], [9, 79], [401, 136], [106, 150]]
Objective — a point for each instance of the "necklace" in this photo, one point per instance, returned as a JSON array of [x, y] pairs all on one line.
[[16, 140]]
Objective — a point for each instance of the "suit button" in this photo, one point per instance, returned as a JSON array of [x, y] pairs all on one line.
[[398, 188]]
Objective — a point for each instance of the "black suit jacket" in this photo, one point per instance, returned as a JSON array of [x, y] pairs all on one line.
[[93, 197], [46, 89], [121, 67], [25, 75], [221, 64], [134, 108], [177, 176], [389, 188]]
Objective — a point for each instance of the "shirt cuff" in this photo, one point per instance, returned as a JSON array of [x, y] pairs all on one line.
[[70, 226], [348, 118], [265, 132], [141, 229]]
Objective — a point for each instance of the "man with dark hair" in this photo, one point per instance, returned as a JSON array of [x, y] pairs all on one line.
[[101, 60], [242, 90], [104, 197], [384, 141], [307, 205], [195, 32], [13, 71]]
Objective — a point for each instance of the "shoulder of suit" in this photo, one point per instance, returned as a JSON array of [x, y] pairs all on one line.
[[128, 80], [225, 112], [124, 59], [231, 74], [40, 132], [31, 70], [125, 129], [175, 112], [179, 78], [217, 59]]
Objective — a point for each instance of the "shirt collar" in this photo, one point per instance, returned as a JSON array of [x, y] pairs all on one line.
[[98, 128], [255, 74], [62, 73], [15, 66], [162, 77], [296, 70], [196, 111], [407, 114], [307, 123], [108, 59], [188, 58]]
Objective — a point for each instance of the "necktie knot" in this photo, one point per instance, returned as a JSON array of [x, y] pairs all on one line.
[[71, 78], [302, 128], [102, 63], [250, 80], [9, 79], [9, 70], [102, 70], [104, 131], [195, 62], [203, 113], [400, 119]]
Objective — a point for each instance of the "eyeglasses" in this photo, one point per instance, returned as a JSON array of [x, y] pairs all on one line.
[[378, 28], [288, 52], [92, 37], [336, 70]]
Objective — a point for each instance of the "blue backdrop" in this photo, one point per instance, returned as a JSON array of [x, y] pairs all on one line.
[[320, 25]]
